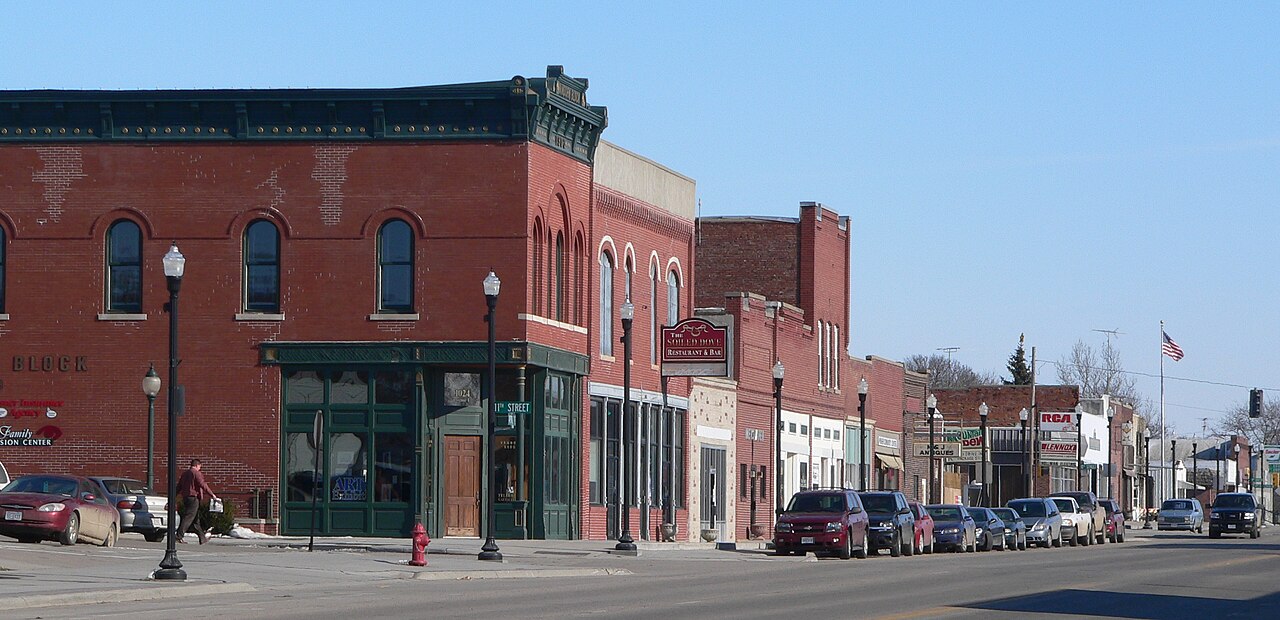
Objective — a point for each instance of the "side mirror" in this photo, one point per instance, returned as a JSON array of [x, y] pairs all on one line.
[[855, 510], [904, 511], [88, 497]]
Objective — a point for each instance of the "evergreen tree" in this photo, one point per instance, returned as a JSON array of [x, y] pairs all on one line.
[[1018, 368]]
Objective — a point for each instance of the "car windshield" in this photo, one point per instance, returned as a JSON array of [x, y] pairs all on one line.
[[42, 484], [815, 502], [1029, 509], [980, 514], [944, 513], [1175, 504], [118, 486], [1233, 501], [1081, 498], [1005, 514], [879, 503], [1110, 507], [1064, 505]]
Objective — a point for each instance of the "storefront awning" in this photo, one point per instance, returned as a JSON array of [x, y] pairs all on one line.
[[890, 461]]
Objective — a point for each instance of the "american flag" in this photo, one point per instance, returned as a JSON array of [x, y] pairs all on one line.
[[1170, 348]]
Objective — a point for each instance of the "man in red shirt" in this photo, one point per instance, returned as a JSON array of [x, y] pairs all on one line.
[[194, 491]]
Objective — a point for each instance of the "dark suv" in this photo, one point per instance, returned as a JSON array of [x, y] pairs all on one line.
[[892, 524], [1234, 513], [822, 521]]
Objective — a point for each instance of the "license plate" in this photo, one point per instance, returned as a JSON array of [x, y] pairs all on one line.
[[12, 515], [1232, 526], [806, 540]]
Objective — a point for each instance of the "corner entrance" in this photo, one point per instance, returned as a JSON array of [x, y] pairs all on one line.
[[462, 485]]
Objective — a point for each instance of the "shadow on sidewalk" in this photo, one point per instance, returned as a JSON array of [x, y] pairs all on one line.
[[1132, 605]]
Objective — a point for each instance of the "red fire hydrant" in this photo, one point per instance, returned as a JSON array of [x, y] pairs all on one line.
[[420, 542]]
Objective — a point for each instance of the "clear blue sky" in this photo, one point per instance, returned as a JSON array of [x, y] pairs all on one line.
[[1048, 168]]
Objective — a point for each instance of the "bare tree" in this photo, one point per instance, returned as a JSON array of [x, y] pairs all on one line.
[[1101, 371], [1265, 428], [946, 373]]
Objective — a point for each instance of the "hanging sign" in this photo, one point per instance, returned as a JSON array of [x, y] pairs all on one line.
[[1058, 421], [695, 347], [1059, 450]]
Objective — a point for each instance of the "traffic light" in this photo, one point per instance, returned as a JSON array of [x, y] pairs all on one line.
[[1255, 403]]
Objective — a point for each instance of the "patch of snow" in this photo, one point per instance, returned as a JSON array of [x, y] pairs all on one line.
[[244, 532]]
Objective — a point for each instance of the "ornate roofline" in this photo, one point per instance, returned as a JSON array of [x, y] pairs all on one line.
[[552, 110]]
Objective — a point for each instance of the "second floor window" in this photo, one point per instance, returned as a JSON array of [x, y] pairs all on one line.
[[124, 267], [673, 298], [3, 243], [395, 267], [606, 304], [262, 267], [561, 278]]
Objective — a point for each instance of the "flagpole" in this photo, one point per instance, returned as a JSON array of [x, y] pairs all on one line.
[[1163, 434]]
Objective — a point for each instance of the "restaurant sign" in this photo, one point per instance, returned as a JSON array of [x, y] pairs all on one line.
[[695, 347]]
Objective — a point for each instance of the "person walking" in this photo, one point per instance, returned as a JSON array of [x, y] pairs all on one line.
[[194, 491]]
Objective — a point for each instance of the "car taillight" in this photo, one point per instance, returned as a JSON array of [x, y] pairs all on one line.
[[125, 504]]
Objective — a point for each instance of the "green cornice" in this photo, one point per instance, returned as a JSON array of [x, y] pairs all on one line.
[[551, 110], [427, 353]]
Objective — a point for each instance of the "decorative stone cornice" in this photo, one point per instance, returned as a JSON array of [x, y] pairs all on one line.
[[642, 213]]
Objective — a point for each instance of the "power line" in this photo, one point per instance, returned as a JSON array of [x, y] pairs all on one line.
[[1155, 376]]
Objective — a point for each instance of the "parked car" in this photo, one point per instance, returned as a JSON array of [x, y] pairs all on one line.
[[893, 526], [62, 508], [1181, 514], [1015, 529], [139, 512], [1115, 520], [1090, 505], [1043, 519], [990, 530], [953, 527], [822, 521], [924, 527], [1076, 523], [1234, 513]]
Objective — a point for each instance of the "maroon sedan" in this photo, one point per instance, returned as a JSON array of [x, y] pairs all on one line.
[[62, 508], [924, 528]]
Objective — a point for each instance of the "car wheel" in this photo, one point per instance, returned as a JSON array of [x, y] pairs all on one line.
[[917, 543], [71, 533], [972, 546], [846, 550], [1023, 546], [895, 546], [1088, 536], [110, 540], [158, 535], [908, 545], [929, 547], [1102, 536], [1057, 541], [861, 553]]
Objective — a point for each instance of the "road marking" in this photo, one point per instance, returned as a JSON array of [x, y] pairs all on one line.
[[1241, 560]]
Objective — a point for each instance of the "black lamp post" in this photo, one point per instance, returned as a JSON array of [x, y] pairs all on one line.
[[174, 266], [1024, 415], [625, 542], [1217, 472], [931, 406], [491, 287], [983, 410], [1235, 462], [779, 466], [1146, 449], [862, 434], [1111, 451], [151, 388], [1195, 467], [1079, 447]]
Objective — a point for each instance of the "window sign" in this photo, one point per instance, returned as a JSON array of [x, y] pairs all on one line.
[[348, 489]]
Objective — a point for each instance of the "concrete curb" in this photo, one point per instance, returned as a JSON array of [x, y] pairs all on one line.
[[528, 573], [159, 591]]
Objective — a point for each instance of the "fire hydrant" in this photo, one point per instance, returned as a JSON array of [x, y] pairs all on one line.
[[420, 542]]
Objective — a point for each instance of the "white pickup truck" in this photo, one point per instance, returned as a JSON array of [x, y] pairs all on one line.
[[1074, 520]]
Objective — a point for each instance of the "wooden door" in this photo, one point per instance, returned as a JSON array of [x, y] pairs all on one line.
[[462, 485]]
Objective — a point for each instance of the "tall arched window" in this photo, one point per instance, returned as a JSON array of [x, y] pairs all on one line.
[[539, 250], [3, 247], [262, 267], [836, 358], [395, 267], [124, 267], [580, 277], [653, 313], [561, 283], [606, 304], [673, 298], [822, 354]]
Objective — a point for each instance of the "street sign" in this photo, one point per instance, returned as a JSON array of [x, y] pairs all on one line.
[[511, 407], [949, 450], [754, 434]]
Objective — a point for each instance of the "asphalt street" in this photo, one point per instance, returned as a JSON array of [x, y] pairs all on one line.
[[1155, 575]]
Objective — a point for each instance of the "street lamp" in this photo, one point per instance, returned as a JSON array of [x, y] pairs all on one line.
[[1195, 467], [1150, 498], [174, 266], [778, 465], [1079, 446], [491, 286], [1235, 449], [1111, 416], [862, 434], [931, 406], [983, 410], [625, 542], [1025, 415], [151, 387]]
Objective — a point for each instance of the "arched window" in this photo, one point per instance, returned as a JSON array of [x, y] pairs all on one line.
[[606, 304], [124, 267], [580, 276], [262, 267], [839, 354], [3, 244], [653, 313], [822, 355], [562, 260], [539, 248], [395, 267], [673, 298]]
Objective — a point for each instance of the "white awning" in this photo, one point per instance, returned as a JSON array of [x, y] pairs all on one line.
[[890, 461]]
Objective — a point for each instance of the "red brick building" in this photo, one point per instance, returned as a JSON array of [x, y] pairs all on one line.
[[336, 241]]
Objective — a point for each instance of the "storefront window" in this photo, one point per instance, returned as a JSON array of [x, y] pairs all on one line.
[[393, 388], [304, 387], [349, 387], [299, 472], [596, 457], [506, 455], [393, 467], [348, 471]]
